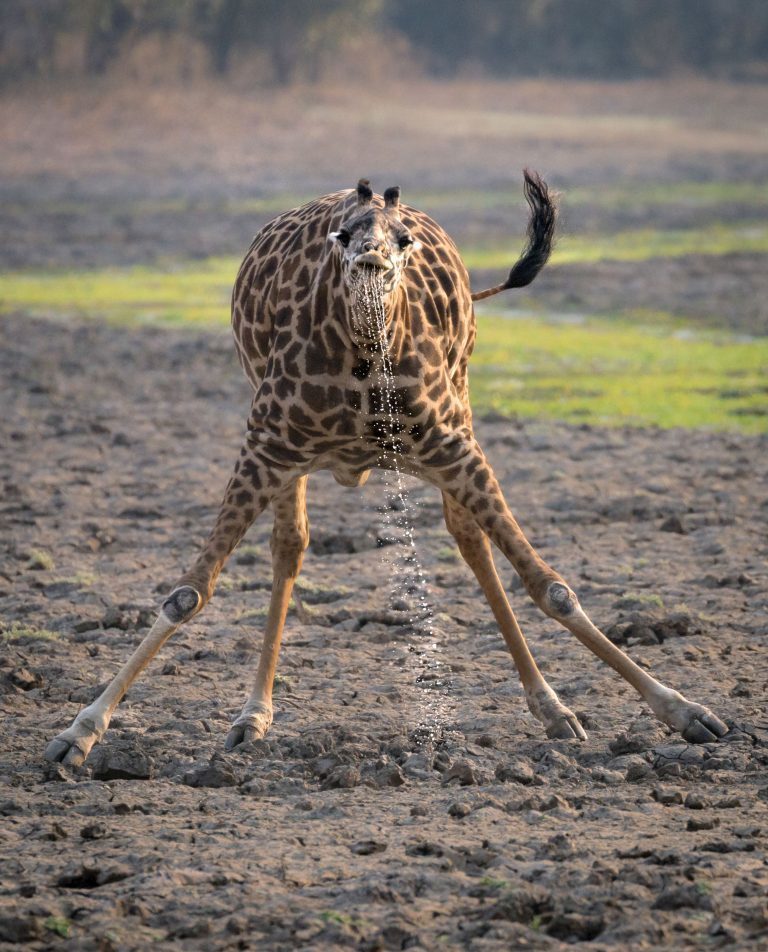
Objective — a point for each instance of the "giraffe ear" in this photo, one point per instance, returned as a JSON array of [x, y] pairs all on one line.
[[364, 192], [392, 197]]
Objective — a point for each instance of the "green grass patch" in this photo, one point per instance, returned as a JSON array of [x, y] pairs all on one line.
[[179, 293], [40, 561], [635, 369], [612, 372], [16, 631], [199, 292], [59, 925]]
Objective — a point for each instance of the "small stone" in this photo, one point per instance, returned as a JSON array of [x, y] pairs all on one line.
[[691, 896], [114, 618], [746, 832], [419, 810], [463, 771], [342, 777], [729, 803], [86, 625], [603, 775], [517, 772], [10, 807], [418, 766], [171, 667], [666, 797], [673, 524], [459, 809], [122, 764], [390, 776], [210, 775], [367, 847], [19, 928], [570, 926], [701, 823], [637, 772], [720, 846], [94, 831], [520, 903], [236, 925], [695, 801], [553, 802], [486, 740], [25, 679]]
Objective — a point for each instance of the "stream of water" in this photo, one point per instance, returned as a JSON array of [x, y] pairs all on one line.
[[409, 591]]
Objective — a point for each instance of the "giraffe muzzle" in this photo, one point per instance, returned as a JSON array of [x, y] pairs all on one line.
[[372, 259]]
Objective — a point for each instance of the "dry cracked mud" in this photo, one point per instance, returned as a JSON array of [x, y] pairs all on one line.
[[404, 798]]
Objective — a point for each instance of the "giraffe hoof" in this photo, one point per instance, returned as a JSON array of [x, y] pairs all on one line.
[[251, 727], [73, 745], [704, 728], [61, 751], [565, 727], [559, 722]]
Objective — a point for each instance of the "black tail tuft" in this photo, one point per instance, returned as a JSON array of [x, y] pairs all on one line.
[[540, 233]]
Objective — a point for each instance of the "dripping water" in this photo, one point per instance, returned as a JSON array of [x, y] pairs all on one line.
[[409, 593]]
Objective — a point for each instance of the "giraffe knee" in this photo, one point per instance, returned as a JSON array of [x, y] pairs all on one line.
[[288, 545], [559, 601], [182, 604]]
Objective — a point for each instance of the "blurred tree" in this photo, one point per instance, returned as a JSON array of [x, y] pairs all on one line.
[[299, 38], [585, 37], [28, 33]]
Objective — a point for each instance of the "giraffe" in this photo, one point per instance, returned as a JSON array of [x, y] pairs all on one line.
[[318, 404]]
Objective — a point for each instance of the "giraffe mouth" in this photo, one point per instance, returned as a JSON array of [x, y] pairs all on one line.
[[371, 259]]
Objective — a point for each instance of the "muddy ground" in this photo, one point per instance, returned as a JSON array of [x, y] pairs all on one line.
[[405, 798]]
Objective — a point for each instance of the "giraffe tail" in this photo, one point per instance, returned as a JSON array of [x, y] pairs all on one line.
[[541, 233]]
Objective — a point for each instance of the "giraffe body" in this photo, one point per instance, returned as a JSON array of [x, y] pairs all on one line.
[[318, 403], [317, 385]]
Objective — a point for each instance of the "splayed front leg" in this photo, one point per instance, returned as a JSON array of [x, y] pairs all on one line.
[[696, 723], [543, 703], [255, 482], [460, 469], [74, 744]]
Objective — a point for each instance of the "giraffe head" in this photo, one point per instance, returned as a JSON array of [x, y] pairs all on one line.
[[373, 240]]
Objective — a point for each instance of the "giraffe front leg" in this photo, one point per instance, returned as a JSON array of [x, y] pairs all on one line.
[[462, 471], [543, 702], [74, 744], [290, 538], [254, 483]]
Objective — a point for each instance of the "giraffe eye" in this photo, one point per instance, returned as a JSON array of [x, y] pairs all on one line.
[[405, 241], [343, 238]]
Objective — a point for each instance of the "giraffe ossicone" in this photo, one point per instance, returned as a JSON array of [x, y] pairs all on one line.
[[318, 403]]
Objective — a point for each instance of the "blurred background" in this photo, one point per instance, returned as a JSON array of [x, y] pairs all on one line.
[[144, 143]]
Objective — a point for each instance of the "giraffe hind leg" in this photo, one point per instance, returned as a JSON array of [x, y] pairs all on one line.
[[290, 538], [469, 479], [543, 703]]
